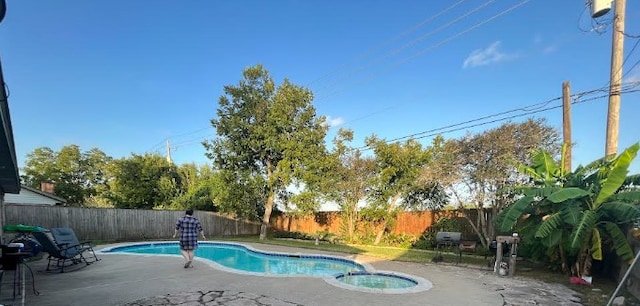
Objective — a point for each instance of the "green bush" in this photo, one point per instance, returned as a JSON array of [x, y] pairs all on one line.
[[399, 240], [292, 235]]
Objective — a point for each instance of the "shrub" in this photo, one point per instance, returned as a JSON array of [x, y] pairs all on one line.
[[399, 240]]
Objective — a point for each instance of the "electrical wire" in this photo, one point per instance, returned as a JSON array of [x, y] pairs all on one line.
[[430, 48], [628, 88], [159, 144], [632, 67], [388, 42], [407, 45]]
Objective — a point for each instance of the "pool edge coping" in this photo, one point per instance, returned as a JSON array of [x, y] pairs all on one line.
[[107, 251], [422, 283]]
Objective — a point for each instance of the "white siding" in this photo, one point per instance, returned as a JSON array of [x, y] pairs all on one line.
[[27, 197]]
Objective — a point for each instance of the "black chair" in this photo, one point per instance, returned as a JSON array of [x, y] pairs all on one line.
[[66, 236], [64, 254]]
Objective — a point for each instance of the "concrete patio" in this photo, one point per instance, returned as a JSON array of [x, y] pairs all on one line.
[[157, 280]]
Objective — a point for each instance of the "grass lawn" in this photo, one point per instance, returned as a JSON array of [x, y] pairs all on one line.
[[598, 294]]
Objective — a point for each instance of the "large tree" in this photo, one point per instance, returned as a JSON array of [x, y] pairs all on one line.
[[349, 181], [398, 186], [78, 176], [476, 168], [198, 189], [268, 135], [144, 181]]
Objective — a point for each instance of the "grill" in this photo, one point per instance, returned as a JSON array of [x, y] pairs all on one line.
[[450, 240]]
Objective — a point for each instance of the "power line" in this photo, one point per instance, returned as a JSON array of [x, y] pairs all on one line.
[[632, 67], [430, 48], [158, 145], [407, 45], [388, 42], [627, 88]]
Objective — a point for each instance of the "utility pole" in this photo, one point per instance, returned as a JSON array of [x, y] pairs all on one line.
[[168, 151], [617, 50], [566, 124]]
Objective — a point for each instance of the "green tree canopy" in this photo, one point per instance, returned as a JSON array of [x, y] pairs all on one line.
[[475, 168], [144, 181], [397, 184], [78, 176], [268, 135], [349, 180]]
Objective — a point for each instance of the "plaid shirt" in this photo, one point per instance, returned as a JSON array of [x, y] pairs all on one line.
[[189, 228]]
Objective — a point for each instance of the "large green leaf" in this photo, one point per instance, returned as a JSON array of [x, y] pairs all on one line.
[[567, 194], [553, 239], [596, 245], [509, 216], [549, 225], [540, 191], [584, 227], [632, 180], [591, 167], [563, 157], [620, 244], [632, 196], [530, 171], [571, 215], [620, 211], [617, 175], [544, 164]]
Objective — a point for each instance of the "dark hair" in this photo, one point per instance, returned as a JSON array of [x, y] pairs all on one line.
[[190, 212]]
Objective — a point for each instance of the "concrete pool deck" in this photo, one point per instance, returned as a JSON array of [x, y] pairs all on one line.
[[162, 280]]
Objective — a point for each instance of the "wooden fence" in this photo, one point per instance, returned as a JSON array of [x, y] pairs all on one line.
[[411, 223], [109, 224]]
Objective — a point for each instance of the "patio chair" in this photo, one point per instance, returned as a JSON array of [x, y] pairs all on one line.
[[66, 235], [64, 254]]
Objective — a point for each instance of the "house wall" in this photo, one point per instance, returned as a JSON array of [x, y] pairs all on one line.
[[27, 197], [1, 216]]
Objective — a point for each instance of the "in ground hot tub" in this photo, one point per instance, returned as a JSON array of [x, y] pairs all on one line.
[[381, 282]]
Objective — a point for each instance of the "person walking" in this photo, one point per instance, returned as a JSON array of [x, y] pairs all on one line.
[[189, 227]]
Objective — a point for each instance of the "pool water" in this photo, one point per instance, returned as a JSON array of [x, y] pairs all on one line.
[[337, 271], [238, 257], [376, 280]]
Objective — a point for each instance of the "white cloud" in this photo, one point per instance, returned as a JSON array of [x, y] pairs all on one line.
[[487, 56], [333, 122]]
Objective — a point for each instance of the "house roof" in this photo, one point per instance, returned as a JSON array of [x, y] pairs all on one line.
[[45, 194], [9, 178]]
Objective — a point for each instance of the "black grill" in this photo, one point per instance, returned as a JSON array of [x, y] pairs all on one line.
[[448, 240]]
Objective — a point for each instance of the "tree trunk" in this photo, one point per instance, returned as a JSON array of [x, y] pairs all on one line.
[[392, 205], [482, 225], [585, 265], [563, 258], [268, 207], [380, 233], [351, 226], [475, 229]]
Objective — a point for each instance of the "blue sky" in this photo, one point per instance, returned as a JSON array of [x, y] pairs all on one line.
[[123, 76]]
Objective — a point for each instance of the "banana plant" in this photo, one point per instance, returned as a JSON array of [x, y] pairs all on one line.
[[578, 212]]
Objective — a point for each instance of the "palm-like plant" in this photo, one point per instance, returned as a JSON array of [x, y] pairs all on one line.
[[578, 214]]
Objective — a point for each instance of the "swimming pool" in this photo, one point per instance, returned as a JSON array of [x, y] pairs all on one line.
[[238, 258]]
